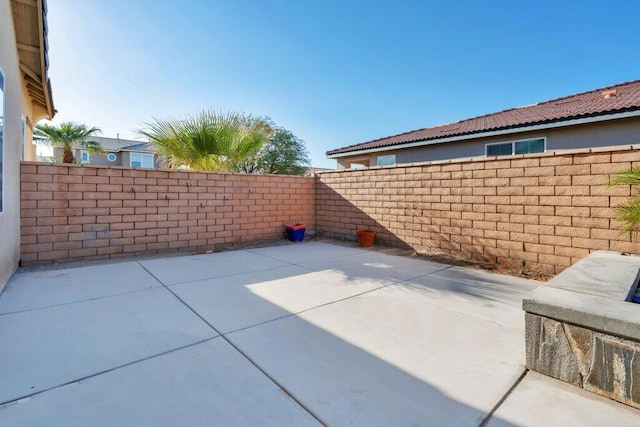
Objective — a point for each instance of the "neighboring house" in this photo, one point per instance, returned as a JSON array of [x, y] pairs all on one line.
[[601, 117], [311, 171], [117, 152], [25, 98]]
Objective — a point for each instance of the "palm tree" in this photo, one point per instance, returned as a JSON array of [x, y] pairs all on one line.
[[629, 213], [68, 136], [208, 141]]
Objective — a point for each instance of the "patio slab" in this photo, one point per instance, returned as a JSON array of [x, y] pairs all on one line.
[[47, 288], [245, 300], [200, 267], [52, 346], [311, 332], [484, 295], [389, 358], [205, 384], [375, 264], [313, 251], [543, 401]]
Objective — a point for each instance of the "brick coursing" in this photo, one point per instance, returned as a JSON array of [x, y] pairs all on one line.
[[542, 212], [73, 212]]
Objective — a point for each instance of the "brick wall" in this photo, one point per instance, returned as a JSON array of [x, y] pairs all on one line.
[[543, 211], [73, 212]]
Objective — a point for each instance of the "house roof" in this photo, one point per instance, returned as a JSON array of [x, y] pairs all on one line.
[[30, 24], [115, 145], [620, 98]]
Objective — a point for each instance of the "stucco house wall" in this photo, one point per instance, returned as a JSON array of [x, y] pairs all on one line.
[[123, 158], [601, 134], [16, 105], [100, 159], [26, 98]]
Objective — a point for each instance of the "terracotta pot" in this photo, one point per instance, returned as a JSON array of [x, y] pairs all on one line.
[[365, 238]]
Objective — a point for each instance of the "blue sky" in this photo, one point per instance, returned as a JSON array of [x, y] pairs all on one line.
[[335, 73]]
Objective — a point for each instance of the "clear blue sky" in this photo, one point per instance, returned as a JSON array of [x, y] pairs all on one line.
[[333, 72]]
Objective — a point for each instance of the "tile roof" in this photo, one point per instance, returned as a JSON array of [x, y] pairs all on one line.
[[117, 144], [618, 98]]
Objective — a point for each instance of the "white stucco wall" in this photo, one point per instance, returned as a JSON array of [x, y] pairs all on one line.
[[16, 104]]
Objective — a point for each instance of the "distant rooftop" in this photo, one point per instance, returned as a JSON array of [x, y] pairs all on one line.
[[620, 98], [118, 144]]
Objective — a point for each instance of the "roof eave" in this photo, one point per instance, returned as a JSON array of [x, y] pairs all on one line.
[[44, 60], [34, 59], [525, 128]]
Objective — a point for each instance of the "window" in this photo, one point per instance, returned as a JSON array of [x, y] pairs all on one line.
[[139, 160], [500, 149], [388, 160], [1, 141], [525, 146], [111, 157], [84, 157], [529, 146]]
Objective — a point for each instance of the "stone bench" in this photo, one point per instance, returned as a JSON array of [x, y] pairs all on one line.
[[581, 327]]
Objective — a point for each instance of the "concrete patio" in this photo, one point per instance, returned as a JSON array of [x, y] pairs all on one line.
[[301, 334]]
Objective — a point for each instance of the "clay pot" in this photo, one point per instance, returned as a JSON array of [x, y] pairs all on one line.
[[365, 238]]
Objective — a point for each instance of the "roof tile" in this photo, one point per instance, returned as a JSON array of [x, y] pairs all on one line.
[[612, 99]]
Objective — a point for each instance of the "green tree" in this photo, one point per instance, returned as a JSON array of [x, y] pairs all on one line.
[[209, 141], [283, 153], [68, 136], [629, 213]]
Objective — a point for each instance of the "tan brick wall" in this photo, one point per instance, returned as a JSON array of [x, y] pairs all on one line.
[[543, 212], [73, 212]]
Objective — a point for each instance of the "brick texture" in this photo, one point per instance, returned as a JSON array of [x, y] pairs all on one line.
[[74, 212], [542, 212]]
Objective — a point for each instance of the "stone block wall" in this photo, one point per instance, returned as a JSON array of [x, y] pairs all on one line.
[[539, 211], [74, 212], [592, 360]]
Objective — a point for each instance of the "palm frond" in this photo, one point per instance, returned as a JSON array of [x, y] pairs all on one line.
[[629, 176], [69, 135], [213, 141], [628, 213]]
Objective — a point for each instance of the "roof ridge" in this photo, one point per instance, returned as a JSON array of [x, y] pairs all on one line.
[[115, 139], [589, 91]]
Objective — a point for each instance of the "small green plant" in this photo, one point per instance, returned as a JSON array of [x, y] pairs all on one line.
[[629, 212]]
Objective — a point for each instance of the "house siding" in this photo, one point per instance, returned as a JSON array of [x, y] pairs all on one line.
[[97, 159], [101, 159], [603, 134], [16, 104]]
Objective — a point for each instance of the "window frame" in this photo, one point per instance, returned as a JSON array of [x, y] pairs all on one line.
[[109, 155], [386, 156], [23, 136], [3, 114], [82, 154], [142, 156], [513, 146]]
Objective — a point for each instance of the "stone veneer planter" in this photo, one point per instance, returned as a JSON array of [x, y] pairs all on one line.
[[582, 329]]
